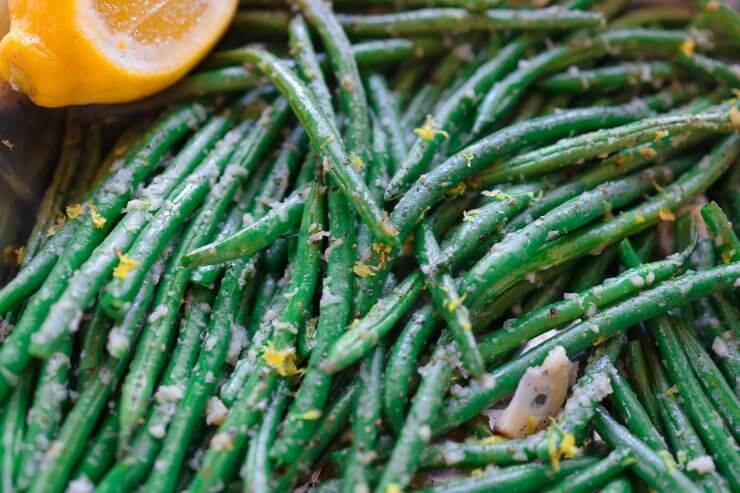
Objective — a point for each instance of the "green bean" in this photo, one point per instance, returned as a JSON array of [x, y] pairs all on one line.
[[260, 331], [703, 416], [142, 450], [369, 286], [13, 426], [70, 443], [707, 322], [640, 378], [428, 95], [721, 18], [596, 475], [570, 151], [187, 197], [123, 333], [446, 299], [637, 219], [481, 222], [140, 221], [334, 313], [448, 118], [547, 293], [101, 452], [431, 186], [649, 465], [725, 240], [367, 54], [326, 143], [680, 433], [710, 69], [481, 453], [609, 78], [202, 384], [523, 478], [512, 298], [619, 485], [278, 359], [381, 98], [710, 378], [675, 14], [610, 321], [365, 418], [517, 247], [309, 68], [270, 189], [381, 318], [257, 475], [282, 218], [416, 431], [632, 414], [35, 270], [158, 333], [593, 271], [94, 340], [423, 21], [45, 414], [331, 424], [724, 303], [401, 367], [504, 95], [108, 201], [351, 90]]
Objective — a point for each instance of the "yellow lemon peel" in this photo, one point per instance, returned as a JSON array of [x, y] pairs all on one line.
[[73, 211], [363, 270], [281, 360], [429, 130], [688, 47], [666, 214], [125, 265]]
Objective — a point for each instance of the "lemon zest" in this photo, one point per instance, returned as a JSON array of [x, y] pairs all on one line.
[[457, 190], [687, 47], [58, 223], [363, 270], [20, 254], [490, 440], [356, 161], [735, 116], [73, 211], [648, 152], [430, 129], [97, 220], [311, 415], [281, 360], [454, 303], [392, 488], [125, 265], [666, 214]]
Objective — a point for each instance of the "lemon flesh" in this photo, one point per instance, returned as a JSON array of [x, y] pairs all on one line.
[[63, 52]]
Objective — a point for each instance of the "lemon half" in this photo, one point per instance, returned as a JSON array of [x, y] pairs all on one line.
[[63, 52]]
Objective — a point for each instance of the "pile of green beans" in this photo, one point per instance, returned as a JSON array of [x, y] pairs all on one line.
[[337, 259]]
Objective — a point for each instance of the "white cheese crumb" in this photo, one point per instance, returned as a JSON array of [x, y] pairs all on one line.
[[80, 485], [216, 412], [702, 465]]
